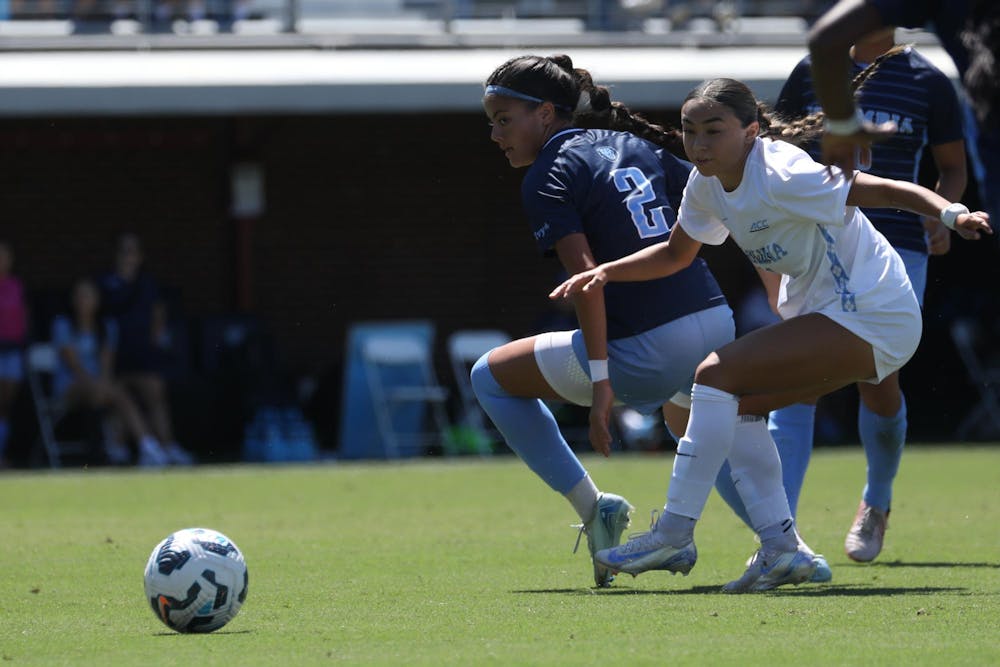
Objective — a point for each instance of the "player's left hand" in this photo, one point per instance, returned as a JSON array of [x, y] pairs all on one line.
[[580, 282], [971, 226], [600, 417], [938, 236]]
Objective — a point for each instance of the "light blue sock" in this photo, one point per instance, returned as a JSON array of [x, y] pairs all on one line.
[[726, 489], [883, 439], [529, 429], [792, 428]]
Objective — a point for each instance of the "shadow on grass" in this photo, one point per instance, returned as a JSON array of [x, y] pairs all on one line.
[[827, 590], [902, 563], [862, 590], [700, 590], [217, 632]]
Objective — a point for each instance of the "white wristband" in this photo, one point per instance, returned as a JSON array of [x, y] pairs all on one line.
[[598, 370], [950, 213], [845, 127]]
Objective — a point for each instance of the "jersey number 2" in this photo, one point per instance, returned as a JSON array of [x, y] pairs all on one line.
[[632, 180]]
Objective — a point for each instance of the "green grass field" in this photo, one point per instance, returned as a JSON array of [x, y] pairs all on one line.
[[470, 563]]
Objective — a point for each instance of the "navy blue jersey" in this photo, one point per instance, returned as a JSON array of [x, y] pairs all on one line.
[[623, 193], [946, 17], [922, 101]]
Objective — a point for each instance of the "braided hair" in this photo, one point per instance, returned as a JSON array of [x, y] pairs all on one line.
[[578, 99]]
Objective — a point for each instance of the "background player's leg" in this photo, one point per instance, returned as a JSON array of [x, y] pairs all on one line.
[[882, 427], [792, 428]]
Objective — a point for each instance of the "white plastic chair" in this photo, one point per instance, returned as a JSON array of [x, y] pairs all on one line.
[[464, 349], [399, 370]]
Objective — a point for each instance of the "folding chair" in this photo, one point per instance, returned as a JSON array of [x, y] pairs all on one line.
[[399, 371], [464, 349], [984, 418], [42, 359]]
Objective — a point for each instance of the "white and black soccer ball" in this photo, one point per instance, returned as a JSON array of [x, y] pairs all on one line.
[[196, 580]]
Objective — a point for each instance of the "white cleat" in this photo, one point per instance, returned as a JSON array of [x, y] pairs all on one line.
[[770, 569], [604, 530], [648, 551]]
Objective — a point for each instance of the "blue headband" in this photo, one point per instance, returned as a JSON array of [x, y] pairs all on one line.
[[509, 92]]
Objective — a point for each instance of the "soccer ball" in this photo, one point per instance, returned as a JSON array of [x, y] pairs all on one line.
[[196, 580]]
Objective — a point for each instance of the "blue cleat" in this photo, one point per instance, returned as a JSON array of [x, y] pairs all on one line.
[[823, 572]]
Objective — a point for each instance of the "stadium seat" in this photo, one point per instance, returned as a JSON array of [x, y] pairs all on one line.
[[464, 349], [984, 418]]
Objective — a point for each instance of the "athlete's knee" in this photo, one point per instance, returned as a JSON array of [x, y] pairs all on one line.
[[483, 382], [710, 372], [884, 399]]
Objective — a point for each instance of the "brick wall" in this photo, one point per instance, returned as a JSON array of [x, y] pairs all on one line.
[[367, 217]]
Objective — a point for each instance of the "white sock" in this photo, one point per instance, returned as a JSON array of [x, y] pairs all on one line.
[[756, 470], [583, 498], [780, 536], [677, 530], [702, 450]]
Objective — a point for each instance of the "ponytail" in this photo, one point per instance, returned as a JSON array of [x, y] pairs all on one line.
[[595, 109]]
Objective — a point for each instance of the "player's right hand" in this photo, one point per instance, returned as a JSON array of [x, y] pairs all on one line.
[[581, 282], [970, 226]]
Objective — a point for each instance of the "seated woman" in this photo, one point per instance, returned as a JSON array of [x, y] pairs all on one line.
[[84, 377]]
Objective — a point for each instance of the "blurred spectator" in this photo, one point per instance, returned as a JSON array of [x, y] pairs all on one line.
[[130, 296], [13, 331], [84, 378], [226, 12], [35, 9]]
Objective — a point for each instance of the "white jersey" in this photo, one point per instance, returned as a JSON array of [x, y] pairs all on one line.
[[790, 215]]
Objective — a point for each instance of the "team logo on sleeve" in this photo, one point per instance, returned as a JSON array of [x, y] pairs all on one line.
[[608, 153]]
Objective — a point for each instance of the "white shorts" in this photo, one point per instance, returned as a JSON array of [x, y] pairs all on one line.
[[565, 374], [893, 330]]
